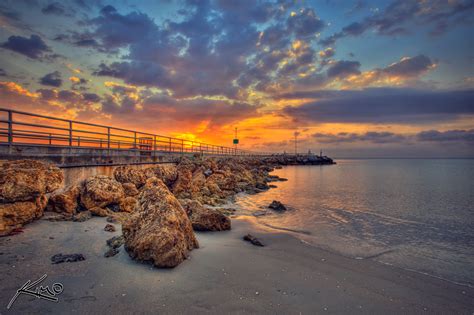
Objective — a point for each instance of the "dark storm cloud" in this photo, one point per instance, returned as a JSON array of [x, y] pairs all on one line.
[[343, 68], [385, 105], [400, 15], [33, 47], [3, 73], [447, 136], [52, 79]]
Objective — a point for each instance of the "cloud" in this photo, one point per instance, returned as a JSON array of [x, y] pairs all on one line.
[[305, 22], [384, 105], [400, 15], [370, 136], [343, 68], [375, 137], [409, 66], [33, 47], [3, 73], [446, 136], [327, 53], [52, 79], [56, 8]]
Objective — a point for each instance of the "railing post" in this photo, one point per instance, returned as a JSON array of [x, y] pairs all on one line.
[[108, 138], [154, 145], [170, 146], [50, 140], [70, 133], [182, 146], [10, 131]]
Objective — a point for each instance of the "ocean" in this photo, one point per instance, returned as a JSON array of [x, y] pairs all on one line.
[[416, 214]]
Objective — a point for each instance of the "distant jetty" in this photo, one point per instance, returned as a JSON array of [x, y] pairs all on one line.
[[300, 159]]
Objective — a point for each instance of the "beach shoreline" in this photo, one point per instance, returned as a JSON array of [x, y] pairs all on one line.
[[225, 275]]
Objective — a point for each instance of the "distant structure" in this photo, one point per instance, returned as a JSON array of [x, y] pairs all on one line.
[[321, 153], [296, 142]]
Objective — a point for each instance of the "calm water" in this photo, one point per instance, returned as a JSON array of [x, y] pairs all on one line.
[[410, 213]]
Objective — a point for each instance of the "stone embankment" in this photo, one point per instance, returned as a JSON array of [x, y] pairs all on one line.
[[159, 207]]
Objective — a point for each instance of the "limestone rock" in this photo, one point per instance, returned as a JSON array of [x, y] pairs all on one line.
[[65, 200], [101, 191], [128, 174], [128, 204], [204, 219], [168, 173], [25, 180], [15, 215], [159, 230], [276, 205], [130, 189]]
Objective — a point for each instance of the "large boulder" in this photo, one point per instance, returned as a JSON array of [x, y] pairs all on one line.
[[26, 180], [100, 191], [15, 215], [158, 230], [65, 201], [168, 173], [205, 219], [128, 174]]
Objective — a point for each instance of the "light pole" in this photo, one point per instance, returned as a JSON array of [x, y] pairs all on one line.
[[296, 143]]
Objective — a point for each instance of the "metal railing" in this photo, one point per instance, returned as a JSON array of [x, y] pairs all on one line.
[[23, 128]]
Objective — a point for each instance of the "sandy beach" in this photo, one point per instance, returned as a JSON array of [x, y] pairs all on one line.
[[225, 275]]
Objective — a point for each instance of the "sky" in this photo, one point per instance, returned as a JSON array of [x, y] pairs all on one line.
[[353, 78]]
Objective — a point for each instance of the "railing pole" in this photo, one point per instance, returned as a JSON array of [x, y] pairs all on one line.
[[10, 131], [154, 145], [170, 145], [108, 138], [70, 133], [182, 146]]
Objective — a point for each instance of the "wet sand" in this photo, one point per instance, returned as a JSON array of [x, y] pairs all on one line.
[[225, 275]]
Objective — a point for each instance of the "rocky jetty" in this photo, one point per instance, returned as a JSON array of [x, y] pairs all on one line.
[[159, 207]]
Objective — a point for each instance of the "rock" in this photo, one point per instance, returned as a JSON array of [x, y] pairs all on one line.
[[111, 252], [208, 172], [57, 217], [100, 212], [276, 205], [65, 200], [25, 180], [129, 174], [204, 219], [159, 229], [130, 190], [112, 219], [252, 239], [60, 258], [109, 228], [101, 191], [82, 216], [226, 211], [116, 241], [272, 186], [168, 173], [15, 215], [128, 204]]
